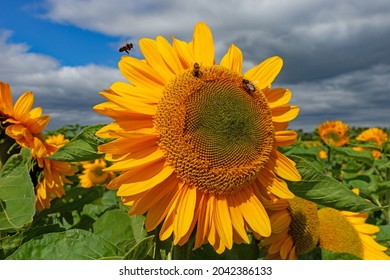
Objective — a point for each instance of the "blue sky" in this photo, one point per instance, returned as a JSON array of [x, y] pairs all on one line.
[[336, 53]]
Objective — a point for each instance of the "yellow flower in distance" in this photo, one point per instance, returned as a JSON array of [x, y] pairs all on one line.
[[374, 135], [334, 133], [51, 173], [196, 142], [322, 154], [93, 173], [22, 123]]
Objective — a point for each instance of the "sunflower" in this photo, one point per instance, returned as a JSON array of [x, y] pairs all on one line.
[[50, 174], [295, 226], [334, 133], [347, 232], [22, 123], [93, 173], [196, 143], [374, 135], [298, 227]]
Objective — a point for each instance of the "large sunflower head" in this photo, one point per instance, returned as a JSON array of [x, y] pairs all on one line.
[[334, 133], [50, 174], [19, 121], [347, 232], [196, 142], [298, 227]]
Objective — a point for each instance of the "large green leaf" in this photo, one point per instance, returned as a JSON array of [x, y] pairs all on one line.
[[325, 190], [117, 226], [143, 250], [73, 244], [349, 153], [17, 198], [82, 147], [383, 234]]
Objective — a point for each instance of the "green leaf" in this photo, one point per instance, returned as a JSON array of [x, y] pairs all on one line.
[[74, 199], [322, 189], [17, 198], [142, 250], [117, 226], [82, 147], [363, 156], [383, 234], [73, 244], [330, 255]]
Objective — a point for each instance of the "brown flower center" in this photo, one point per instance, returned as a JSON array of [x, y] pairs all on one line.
[[215, 129]]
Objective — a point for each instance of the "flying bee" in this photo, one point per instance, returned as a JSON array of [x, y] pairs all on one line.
[[196, 70], [248, 86], [126, 48]]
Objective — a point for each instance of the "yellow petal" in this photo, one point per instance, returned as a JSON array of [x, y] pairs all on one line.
[[254, 213], [285, 167], [277, 96], [367, 228], [143, 182], [152, 55], [286, 248], [233, 59], [131, 104], [223, 222], [23, 105], [274, 184], [265, 73], [158, 212], [154, 196], [148, 156], [169, 55], [203, 223], [124, 146], [280, 221], [237, 219], [203, 45], [284, 113], [184, 212], [167, 227], [6, 104], [285, 138], [139, 95], [139, 73], [184, 52]]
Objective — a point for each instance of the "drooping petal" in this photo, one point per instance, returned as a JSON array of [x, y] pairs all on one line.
[[285, 138]]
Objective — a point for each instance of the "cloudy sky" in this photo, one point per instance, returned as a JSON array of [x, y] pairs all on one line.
[[336, 53]]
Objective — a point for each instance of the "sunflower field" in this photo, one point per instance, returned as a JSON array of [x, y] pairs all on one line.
[[198, 163]]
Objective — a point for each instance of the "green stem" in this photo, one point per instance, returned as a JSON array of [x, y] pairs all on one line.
[[181, 252]]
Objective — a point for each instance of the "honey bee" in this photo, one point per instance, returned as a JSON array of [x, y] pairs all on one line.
[[126, 48], [249, 86], [196, 70]]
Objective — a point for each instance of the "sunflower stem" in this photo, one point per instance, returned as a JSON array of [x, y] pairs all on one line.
[[181, 252]]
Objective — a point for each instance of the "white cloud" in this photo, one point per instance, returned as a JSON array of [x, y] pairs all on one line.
[[337, 59], [66, 93], [313, 36]]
